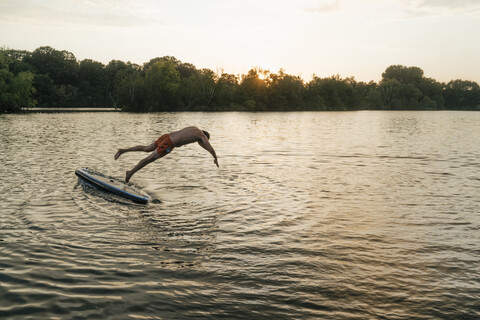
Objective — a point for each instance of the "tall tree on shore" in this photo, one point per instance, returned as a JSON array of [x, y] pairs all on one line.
[[462, 94], [16, 91], [61, 66], [252, 91], [93, 84], [225, 97], [162, 81], [129, 90], [333, 93], [407, 88], [285, 90]]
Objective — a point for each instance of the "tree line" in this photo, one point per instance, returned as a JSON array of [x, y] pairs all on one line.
[[48, 78]]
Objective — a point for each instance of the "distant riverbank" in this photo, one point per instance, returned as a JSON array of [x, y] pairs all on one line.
[[68, 110], [50, 78], [55, 110]]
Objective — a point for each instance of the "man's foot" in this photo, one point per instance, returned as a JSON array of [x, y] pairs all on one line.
[[118, 154], [128, 176]]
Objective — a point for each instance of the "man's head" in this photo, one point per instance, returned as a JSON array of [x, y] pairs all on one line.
[[207, 134]]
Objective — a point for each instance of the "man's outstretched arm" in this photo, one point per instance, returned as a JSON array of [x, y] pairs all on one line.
[[207, 146]]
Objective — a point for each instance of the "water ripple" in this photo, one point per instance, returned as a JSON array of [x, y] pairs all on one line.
[[363, 215]]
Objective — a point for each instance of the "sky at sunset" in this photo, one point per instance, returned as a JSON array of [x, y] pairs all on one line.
[[359, 38]]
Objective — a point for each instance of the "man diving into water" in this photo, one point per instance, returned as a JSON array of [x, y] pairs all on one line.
[[166, 143]]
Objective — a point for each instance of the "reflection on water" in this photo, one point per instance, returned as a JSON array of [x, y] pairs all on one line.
[[311, 215]]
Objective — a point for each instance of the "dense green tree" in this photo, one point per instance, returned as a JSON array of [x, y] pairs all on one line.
[[461, 94], [226, 92], [162, 81], [173, 61], [18, 61], [196, 89], [332, 93], [46, 92], [314, 99], [406, 88], [363, 94], [116, 71], [403, 74], [252, 90], [93, 84], [189, 87], [56, 79], [16, 90], [61, 66], [130, 90], [189, 92], [432, 91], [208, 81], [398, 96], [285, 91]]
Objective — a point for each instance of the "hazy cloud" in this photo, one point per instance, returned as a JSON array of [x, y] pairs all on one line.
[[452, 4], [408, 8], [325, 7], [429, 8], [92, 13]]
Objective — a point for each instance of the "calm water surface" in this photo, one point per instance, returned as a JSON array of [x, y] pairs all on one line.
[[355, 215]]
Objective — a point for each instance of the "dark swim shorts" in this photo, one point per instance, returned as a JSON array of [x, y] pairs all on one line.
[[164, 145]]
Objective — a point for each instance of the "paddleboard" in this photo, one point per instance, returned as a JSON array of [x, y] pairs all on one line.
[[111, 185]]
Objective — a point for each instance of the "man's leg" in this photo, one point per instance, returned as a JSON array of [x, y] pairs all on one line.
[[152, 157], [148, 148]]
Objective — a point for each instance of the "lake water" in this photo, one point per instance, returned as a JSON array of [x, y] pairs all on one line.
[[349, 215]]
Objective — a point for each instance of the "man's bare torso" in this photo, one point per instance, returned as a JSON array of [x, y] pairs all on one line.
[[185, 136]]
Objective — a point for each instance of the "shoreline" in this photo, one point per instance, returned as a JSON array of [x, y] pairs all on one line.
[[72, 110], [61, 110]]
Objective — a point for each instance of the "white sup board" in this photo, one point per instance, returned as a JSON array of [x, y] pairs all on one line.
[[111, 185]]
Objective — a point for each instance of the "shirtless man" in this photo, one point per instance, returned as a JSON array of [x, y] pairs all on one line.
[[165, 144]]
